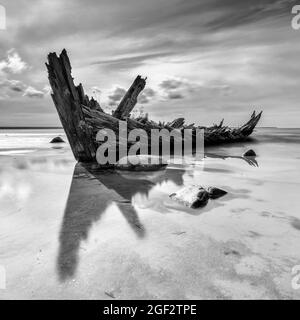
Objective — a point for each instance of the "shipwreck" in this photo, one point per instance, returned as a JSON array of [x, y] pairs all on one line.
[[82, 117]]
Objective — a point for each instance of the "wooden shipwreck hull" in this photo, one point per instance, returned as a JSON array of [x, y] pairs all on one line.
[[82, 117]]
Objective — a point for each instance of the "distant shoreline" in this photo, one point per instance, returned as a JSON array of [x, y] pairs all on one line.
[[30, 128], [40, 128]]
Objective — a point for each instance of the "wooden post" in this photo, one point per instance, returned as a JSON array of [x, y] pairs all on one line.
[[130, 98]]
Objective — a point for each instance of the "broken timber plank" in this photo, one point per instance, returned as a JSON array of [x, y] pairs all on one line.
[[177, 123], [130, 99]]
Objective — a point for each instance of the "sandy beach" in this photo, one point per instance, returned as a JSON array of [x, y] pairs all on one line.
[[69, 233]]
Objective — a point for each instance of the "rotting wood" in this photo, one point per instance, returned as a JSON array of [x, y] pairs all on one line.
[[177, 123], [130, 99], [67, 100], [82, 117]]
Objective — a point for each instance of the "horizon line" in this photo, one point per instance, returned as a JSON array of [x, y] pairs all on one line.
[[50, 127]]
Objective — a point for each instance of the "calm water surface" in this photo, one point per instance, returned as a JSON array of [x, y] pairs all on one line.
[[69, 232]]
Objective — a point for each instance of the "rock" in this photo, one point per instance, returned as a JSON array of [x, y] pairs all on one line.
[[141, 163], [215, 193], [57, 140], [250, 153], [193, 197], [231, 252]]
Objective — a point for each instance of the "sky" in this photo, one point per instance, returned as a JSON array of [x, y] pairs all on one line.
[[204, 59]]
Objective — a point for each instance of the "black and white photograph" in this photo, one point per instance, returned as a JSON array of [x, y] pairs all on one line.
[[149, 151]]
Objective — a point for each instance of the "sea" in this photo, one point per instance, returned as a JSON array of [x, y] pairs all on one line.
[[69, 233]]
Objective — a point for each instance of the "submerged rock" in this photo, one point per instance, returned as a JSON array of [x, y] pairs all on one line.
[[141, 163], [193, 197], [196, 196], [250, 153], [231, 252], [57, 140], [215, 193]]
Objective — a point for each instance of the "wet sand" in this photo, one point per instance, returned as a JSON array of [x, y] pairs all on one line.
[[68, 232]]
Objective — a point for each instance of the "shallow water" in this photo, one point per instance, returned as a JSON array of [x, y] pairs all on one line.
[[69, 232]]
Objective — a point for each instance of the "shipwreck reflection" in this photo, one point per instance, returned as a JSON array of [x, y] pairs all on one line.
[[250, 160], [91, 193]]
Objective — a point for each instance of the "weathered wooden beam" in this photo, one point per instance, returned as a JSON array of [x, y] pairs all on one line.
[[84, 99], [190, 126], [67, 99], [177, 123], [130, 99]]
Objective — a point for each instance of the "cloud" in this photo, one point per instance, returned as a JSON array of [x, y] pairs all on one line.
[[33, 93], [7, 87], [236, 13], [47, 90], [146, 96], [129, 62], [118, 92], [13, 63], [116, 96], [171, 84], [244, 51], [168, 89], [17, 86], [177, 88], [173, 95], [133, 17], [178, 84], [14, 85]]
